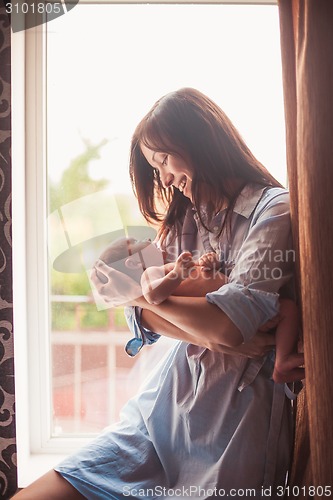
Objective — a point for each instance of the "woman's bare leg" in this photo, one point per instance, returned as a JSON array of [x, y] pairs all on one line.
[[51, 486]]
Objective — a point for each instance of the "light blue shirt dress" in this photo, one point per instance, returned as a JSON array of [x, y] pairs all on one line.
[[207, 424]]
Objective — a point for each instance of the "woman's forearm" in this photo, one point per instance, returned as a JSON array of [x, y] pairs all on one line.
[[257, 347], [155, 323], [204, 323], [195, 319]]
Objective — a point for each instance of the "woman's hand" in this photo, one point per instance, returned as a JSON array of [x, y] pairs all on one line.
[[114, 287]]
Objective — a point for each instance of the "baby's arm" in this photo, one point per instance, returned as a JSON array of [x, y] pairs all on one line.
[[204, 278], [200, 282], [158, 286]]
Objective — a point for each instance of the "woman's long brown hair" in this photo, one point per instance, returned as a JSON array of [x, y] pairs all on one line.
[[189, 124]]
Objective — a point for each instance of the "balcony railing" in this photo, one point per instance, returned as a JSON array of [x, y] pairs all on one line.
[[92, 376]]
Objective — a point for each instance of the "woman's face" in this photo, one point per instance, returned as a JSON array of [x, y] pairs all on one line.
[[173, 170]]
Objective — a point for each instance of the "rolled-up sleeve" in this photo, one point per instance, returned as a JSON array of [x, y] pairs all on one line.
[[263, 264], [248, 309], [142, 336]]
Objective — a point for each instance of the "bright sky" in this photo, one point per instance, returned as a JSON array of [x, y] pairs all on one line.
[[107, 64]]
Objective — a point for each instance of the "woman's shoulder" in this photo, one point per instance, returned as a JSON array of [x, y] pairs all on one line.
[[274, 201], [273, 195], [273, 191]]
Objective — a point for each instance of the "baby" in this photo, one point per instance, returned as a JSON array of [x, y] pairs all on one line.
[[158, 282], [137, 258]]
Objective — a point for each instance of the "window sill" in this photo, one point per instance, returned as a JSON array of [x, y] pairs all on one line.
[[34, 466]]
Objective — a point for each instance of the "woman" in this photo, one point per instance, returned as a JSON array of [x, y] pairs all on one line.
[[209, 419]]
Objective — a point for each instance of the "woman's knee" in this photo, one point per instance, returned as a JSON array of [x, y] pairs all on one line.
[[51, 486]]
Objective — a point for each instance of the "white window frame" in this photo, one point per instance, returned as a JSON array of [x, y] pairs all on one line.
[[37, 451]]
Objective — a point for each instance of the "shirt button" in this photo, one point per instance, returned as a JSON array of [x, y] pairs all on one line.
[[216, 229]]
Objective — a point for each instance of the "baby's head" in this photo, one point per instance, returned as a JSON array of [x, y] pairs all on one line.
[[124, 255]]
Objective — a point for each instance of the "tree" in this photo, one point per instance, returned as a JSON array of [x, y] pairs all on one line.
[[75, 181]]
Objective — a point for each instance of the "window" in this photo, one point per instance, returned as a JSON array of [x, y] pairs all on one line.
[[90, 77]]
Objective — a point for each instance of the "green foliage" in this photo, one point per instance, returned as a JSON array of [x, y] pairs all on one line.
[[63, 316], [119, 318], [69, 284], [91, 319], [75, 181], [68, 316]]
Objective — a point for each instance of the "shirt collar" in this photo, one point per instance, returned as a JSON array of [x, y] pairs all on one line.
[[248, 199]]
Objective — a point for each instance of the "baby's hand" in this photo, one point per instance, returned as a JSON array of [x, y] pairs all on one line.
[[184, 264], [209, 261]]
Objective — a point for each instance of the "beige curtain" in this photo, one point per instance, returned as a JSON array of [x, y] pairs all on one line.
[[307, 59]]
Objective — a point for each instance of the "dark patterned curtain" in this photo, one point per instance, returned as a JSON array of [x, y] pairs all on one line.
[[8, 473]]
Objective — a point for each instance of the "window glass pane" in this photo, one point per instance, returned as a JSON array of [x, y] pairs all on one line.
[[106, 66]]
